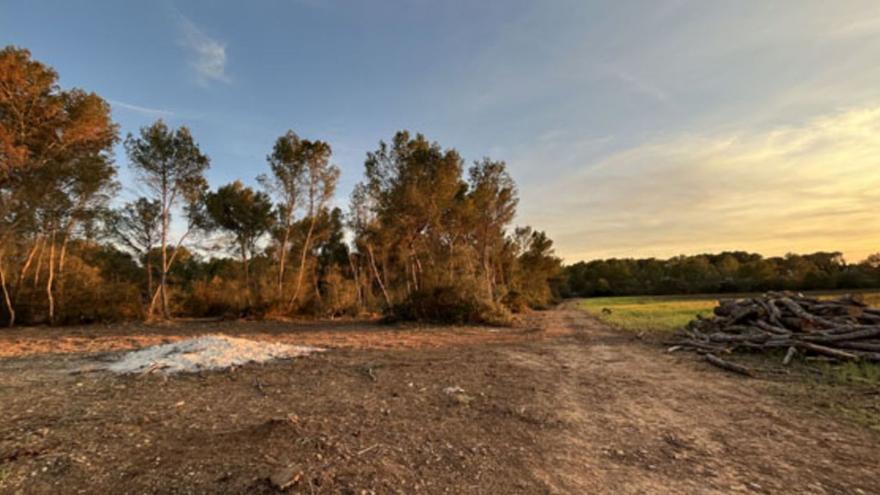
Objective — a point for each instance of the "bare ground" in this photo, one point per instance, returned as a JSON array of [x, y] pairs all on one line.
[[558, 404]]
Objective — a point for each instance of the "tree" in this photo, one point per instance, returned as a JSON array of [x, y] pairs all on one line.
[[245, 214], [493, 201], [55, 164], [138, 226], [288, 164], [319, 185], [415, 191], [538, 268], [171, 167]]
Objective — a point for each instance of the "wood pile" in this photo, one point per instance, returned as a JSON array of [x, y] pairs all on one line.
[[842, 329]]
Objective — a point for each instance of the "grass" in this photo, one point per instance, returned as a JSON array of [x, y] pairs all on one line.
[[846, 390], [649, 313], [665, 314]]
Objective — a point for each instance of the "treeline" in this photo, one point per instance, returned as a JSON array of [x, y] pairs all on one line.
[[425, 236], [719, 273]]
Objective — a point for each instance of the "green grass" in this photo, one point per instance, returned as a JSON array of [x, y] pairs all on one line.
[[667, 313], [649, 313], [863, 373]]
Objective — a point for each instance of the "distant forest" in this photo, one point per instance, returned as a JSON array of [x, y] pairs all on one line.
[[426, 237], [718, 273]]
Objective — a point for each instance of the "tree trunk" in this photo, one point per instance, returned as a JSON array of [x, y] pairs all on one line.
[[6, 297], [160, 290], [60, 277], [247, 277], [163, 282], [282, 260], [302, 261], [378, 277], [30, 258], [357, 281], [163, 279], [149, 264], [51, 278], [487, 270], [39, 263]]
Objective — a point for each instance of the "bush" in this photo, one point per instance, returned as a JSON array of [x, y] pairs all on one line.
[[516, 302], [450, 305], [83, 295], [215, 298]]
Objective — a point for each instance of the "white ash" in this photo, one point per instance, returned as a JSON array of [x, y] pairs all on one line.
[[208, 352]]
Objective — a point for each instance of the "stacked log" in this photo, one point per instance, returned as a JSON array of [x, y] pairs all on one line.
[[841, 329]]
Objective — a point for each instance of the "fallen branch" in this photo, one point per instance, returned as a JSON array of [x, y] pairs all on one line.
[[727, 365]]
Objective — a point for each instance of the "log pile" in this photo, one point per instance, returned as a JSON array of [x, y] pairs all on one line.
[[842, 329]]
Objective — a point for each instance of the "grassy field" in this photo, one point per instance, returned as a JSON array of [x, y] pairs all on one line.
[[660, 315], [664, 313], [649, 313]]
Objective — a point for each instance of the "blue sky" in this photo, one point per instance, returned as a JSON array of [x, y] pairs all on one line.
[[648, 128]]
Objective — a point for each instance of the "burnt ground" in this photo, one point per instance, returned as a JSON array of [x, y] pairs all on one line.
[[558, 404]]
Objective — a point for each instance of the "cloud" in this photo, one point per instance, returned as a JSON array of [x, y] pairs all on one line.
[[208, 54], [810, 187], [150, 112], [864, 27], [640, 86]]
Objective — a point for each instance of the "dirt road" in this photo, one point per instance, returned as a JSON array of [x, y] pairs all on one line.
[[560, 404]]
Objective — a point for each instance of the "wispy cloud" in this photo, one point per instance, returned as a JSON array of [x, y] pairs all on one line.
[[208, 54], [640, 86], [864, 27], [810, 187], [150, 112]]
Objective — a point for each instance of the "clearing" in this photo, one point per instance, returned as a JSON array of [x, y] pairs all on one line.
[[561, 403]]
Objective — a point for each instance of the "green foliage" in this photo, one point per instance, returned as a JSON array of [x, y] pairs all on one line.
[[721, 273], [171, 166], [538, 274], [420, 227], [242, 212]]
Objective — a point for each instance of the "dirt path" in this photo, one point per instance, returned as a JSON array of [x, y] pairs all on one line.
[[639, 421], [561, 404]]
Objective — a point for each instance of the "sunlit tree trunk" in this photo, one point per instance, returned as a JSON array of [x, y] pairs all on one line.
[[50, 279], [378, 277], [282, 260], [6, 298], [247, 275], [149, 266], [357, 281], [29, 260], [39, 266], [302, 260]]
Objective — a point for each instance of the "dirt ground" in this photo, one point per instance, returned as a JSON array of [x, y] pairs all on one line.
[[558, 404]]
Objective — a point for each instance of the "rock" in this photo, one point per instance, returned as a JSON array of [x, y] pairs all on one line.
[[285, 477]]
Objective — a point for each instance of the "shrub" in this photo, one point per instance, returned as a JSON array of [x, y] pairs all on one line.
[[450, 305]]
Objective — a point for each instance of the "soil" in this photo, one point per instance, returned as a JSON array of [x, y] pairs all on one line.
[[558, 404]]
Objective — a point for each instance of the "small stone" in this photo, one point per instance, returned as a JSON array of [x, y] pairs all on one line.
[[285, 477]]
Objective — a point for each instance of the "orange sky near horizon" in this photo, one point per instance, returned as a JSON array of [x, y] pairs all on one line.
[[802, 189]]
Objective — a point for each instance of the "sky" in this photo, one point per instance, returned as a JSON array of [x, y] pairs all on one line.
[[632, 128]]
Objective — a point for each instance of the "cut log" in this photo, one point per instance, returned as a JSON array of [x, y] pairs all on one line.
[[727, 365], [789, 355], [842, 329], [828, 351]]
